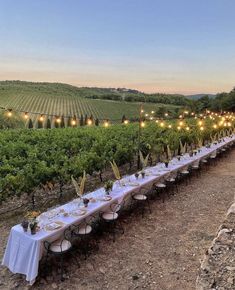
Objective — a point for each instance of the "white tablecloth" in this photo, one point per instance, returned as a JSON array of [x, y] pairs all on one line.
[[24, 251]]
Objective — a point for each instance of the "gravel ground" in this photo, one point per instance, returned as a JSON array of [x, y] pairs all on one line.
[[160, 251]]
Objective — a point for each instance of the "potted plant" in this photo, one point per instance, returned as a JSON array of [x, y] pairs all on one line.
[[25, 225], [108, 186], [33, 226], [85, 201], [142, 173], [166, 162]]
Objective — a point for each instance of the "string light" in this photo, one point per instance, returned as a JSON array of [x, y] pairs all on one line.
[[225, 119], [142, 124], [89, 122], [181, 123], [58, 120], [9, 113], [106, 124]]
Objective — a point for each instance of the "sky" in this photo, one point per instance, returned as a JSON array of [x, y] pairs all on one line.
[[170, 46]]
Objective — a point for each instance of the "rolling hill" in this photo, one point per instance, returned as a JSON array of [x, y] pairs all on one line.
[[198, 96], [63, 99]]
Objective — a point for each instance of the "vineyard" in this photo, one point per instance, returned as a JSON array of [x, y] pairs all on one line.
[[65, 100], [33, 158]]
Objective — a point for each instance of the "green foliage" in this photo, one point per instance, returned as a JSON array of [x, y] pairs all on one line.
[[31, 158]]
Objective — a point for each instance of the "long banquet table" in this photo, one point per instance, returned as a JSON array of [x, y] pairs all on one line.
[[24, 251]]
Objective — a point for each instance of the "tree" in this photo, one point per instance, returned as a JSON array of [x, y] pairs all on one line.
[[203, 103], [56, 123], [30, 125], [86, 119], [48, 124], [97, 122], [40, 124], [81, 120], [160, 113], [69, 122], [62, 124], [92, 119]]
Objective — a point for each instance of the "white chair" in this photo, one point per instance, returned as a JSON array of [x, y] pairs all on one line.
[[60, 248], [110, 218], [83, 231], [141, 199]]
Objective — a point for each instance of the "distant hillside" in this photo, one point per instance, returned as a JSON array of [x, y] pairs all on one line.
[[63, 99], [198, 96]]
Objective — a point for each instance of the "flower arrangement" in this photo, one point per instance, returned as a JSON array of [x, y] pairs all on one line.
[[142, 173], [32, 214], [108, 186], [86, 201], [25, 225], [115, 170], [144, 161], [183, 148], [165, 159], [31, 221], [33, 226], [79, 189]]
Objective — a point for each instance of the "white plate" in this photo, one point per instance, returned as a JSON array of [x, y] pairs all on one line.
[[53, 226], [78, 212]]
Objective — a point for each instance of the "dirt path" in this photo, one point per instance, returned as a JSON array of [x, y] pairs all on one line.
[[161, 251]]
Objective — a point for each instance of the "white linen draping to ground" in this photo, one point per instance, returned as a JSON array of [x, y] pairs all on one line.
[[24, 251]]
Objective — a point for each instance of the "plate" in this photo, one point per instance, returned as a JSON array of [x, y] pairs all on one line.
[[51, 213], [133, 184], [106, 198], [78, 212], [53, 226]]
